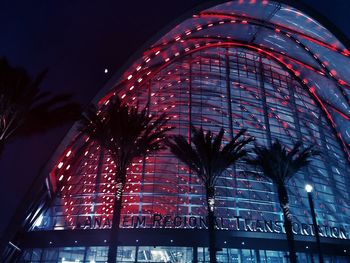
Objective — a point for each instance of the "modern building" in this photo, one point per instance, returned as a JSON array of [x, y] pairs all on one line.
[[272, 67]]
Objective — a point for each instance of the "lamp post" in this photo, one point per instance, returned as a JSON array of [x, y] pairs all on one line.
[[308, 189]]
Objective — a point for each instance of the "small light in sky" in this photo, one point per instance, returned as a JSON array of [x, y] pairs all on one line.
[[106, 70]]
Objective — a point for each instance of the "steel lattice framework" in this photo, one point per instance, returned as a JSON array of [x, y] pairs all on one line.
[[222, 85], [259, 65]]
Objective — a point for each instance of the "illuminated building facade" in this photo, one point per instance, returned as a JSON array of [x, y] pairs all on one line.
[[260, 65]]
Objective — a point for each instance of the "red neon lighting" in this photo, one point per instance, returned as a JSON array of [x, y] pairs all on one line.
[[271, 25]]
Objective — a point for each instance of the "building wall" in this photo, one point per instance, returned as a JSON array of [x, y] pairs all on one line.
[[217, 87]]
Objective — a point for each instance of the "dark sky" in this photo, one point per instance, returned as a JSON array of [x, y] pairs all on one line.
[[76, 40]]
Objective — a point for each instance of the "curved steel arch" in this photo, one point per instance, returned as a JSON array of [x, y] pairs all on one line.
[[247, 20], [147, 52], [296, 4], [152, 53], [309, 89]]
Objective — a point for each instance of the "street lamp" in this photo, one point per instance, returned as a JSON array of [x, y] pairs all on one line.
[[309, 189]]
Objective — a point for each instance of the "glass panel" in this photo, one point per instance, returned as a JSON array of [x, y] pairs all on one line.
[[273, 256], [165, 254], [71, 254], [126, 254], [216, 87], [96, 254], [50, 255]]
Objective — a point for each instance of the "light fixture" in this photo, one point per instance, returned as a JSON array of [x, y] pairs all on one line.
[[39, 221], [106, 70], [308, 188]]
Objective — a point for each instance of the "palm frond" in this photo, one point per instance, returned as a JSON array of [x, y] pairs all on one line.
[[186, 153], [278, 164], [24, 109], [206, 155], [125, 131]]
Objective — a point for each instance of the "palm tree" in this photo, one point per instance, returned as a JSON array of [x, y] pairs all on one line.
[[24, 109], [127, 133], [206, 156], [279, 165]]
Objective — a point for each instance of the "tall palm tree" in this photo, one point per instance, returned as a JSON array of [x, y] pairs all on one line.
[[206, 156], [279, 165], [127, 133], [24, 109]]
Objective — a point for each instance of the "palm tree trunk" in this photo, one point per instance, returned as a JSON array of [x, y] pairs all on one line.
[[289, 233], [211, 224], [211, 229], [283, 197], [113, 241]]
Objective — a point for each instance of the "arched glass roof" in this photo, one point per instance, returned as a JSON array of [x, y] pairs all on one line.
[[296, 41], [299, 45], [262, 39], [310, 59]]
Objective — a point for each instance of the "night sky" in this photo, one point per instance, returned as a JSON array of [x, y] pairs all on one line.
[[76, 40]]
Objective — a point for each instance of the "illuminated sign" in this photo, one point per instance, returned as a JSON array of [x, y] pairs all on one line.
[[236, 223]]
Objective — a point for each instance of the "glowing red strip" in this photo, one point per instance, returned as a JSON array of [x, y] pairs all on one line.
[[269, 54], [262, 22]]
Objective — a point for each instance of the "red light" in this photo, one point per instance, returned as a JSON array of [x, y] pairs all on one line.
[[341, 82]]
